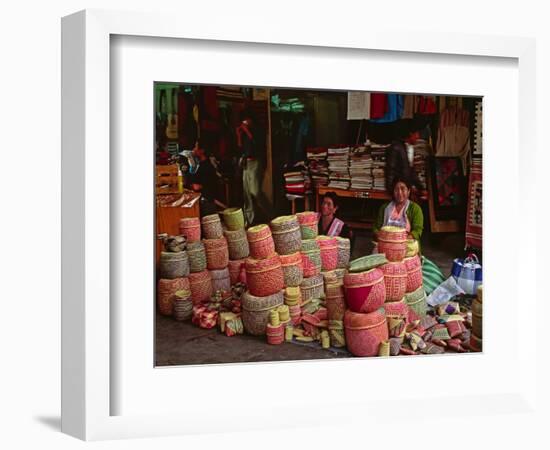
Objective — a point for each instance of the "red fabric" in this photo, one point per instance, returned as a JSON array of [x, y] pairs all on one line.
[[378, 105], [210, 112], [242, 128], [426, 105]]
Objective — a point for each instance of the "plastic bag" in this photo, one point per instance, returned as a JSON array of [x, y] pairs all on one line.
[[467, 273], [444, 292]]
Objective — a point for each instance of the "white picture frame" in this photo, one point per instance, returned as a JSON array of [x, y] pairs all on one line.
[[88, 328]]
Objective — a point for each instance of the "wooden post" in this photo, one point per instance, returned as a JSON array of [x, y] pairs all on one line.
[[267, 184]]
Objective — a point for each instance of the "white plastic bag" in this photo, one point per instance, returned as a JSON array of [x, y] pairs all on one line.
[[444, 292]]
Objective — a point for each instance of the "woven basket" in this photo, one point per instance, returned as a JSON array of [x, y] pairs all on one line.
[[414, 273], [264, 276], [311, 257], [336, 333], [255, 311], [183, 305], [217, 253], [397, 310], [200, 284], [365, 292], [197, 257], [412, 248], [235, 267], [166, 293], [395, 279], [237, 244], [275, 334], [286, 234], [476, 343], [260, 241], [365, 332], [416, 301], [295, 314], [309, 223], [212, 227], [394, 251], [477, 318], [335, 301], [173, 265], [392, 234], [367, 262], [329, 252], [221, 280], [334, 276], [312, 287], [293, 270], [293, 296], [233, 218], [190, 227], [344, 252]]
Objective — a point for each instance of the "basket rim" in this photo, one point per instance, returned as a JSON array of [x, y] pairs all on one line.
[[364, 284]]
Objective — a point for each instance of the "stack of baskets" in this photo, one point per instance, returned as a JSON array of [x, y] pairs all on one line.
[[328, 247], [255, 311], [173, 273], [212, 227], [260, 241], [309, 223], [190, 227], [311, 257], [365, 332], [344, 251], [392, 241], [286, 235], [476, 338]]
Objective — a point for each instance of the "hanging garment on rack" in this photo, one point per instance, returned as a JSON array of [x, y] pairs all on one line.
[[395, 109], [478, 129], [425, 104], [378, 105], [454, 134], [408, 107]]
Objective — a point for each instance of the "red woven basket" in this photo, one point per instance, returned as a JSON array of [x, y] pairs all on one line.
[[414, 273], [293, 270], [309, 221], [200, 284], [329, 252], [260, 241], [217, 253], [394, 251], [166, 293], [190, 227], [234, 267], [395, 279], [264, 276], [365, 291], [365, 332], [397, 310], [392, 234]]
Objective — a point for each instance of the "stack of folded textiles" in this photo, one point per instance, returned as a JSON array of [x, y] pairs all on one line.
[[297, 180], [360, 168], [318, 165], [378, 154], [421, 152], [338, 166]]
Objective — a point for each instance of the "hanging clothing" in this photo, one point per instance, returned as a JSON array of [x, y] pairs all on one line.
[[395, 109], [453, 138], [408, 107], [425, 104], [378, 105]]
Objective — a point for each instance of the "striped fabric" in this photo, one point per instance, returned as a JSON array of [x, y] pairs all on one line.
[[431, 275]]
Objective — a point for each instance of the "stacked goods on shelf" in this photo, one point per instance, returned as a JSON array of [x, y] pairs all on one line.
[[378, 155], [422, 150], [318, 165], [295, 180], [361, 168], [338, 166]]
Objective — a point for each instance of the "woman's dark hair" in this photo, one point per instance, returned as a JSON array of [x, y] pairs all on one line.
[[333, 196], [403, 180]]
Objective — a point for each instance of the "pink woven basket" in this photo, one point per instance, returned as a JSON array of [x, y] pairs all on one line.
[[190, 227], [397, 310], [365, 291], [295, 314], [311, 257], [264, 276], [335, 302], [392, 234], [395, 280], [260, 241], [309, 221], [365, 332], [394, 251], [217, 253], [293, 270], [414, 273], [200, 284], [329, 252], [235, 267], [166, 293]]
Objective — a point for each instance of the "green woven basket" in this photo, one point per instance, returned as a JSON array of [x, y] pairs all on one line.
[[233, 218], [367, 262]]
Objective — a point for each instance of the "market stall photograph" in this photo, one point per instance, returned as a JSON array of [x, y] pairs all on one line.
[[300, 224]]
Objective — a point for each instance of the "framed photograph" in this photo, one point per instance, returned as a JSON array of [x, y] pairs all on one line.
[[144, 105]]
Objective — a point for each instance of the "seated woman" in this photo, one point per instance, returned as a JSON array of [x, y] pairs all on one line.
[[401, 211], [329, 224]]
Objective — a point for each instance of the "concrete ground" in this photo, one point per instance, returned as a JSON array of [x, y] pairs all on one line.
[[181, 343]]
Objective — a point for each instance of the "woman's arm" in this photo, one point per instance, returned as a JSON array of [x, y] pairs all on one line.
[[416, 218]]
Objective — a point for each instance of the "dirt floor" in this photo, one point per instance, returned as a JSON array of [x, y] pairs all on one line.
[[181, 343]]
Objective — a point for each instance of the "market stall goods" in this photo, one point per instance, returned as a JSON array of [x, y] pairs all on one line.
[[312, 287], [190, 227], [311, 257], [476, 343], [293, 270], [329, 252], [221, 280], [384, 349], [396, 310], [173, 265], [365, 291], [217, 253], [335, 302], [260, 241], [235, 266], [293, 296], [335, 276], [392, 241], [395, 280], [416, 301], [392, 234], [264, 276], [295, 312], [367, 262], [365, 332], [286, 235], [255, 311], [344, 252], [200, 284], [197, 257], [336, 333], [309, 222], [166, 293], [233, 218], [275, 334], [414, 273], [174, 243], [212, 227], [183, 305], [237, 244], [477, 316]]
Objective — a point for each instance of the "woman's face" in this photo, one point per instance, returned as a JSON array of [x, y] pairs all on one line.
[[327, 207], [400, 192]]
